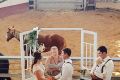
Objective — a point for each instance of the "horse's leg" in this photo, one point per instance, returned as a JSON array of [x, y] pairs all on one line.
[[25, 60], [25, 50]]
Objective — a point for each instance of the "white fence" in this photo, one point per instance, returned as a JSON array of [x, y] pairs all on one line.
[[17, 75], [27, 52], [108, 1], [61, 4], [85, 60]]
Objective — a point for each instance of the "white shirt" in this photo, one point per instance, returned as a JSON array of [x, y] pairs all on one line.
[[67, 71], [107, 70]]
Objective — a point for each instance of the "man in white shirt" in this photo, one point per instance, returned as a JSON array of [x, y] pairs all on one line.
[[67, 68], [103, 70]]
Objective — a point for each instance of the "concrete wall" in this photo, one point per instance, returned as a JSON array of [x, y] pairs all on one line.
[[6, 3]]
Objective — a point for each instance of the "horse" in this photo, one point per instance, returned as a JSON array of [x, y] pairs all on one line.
[[4, 68], [47, 40]]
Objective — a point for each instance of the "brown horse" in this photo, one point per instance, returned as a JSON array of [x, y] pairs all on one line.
[[48, 40]]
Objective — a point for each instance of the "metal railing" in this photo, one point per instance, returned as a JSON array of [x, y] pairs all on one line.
[[12, 74]]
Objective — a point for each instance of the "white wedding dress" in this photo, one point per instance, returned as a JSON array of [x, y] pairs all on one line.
[[37, 67]]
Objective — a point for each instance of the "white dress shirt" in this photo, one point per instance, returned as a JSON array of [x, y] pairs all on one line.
[[107, 70], [67, 71]]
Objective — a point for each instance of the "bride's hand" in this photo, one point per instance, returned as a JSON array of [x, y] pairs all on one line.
[[50, 78]]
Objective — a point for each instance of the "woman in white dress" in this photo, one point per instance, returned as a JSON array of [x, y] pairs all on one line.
[[38, 68]]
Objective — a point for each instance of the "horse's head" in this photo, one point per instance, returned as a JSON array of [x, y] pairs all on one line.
[[10, 33]]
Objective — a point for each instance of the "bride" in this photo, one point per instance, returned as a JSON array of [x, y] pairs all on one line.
[[37, 67]]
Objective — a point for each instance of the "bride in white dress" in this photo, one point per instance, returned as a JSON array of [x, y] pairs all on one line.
[[38, 68]]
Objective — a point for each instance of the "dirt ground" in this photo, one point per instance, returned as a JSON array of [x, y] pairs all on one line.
[[106, 22]]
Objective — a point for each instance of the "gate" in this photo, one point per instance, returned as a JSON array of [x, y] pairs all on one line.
[[88, 49], [28, 45], [61, 4]]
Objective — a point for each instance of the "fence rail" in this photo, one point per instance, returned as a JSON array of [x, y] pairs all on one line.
[[28, 57], [19, 75]]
